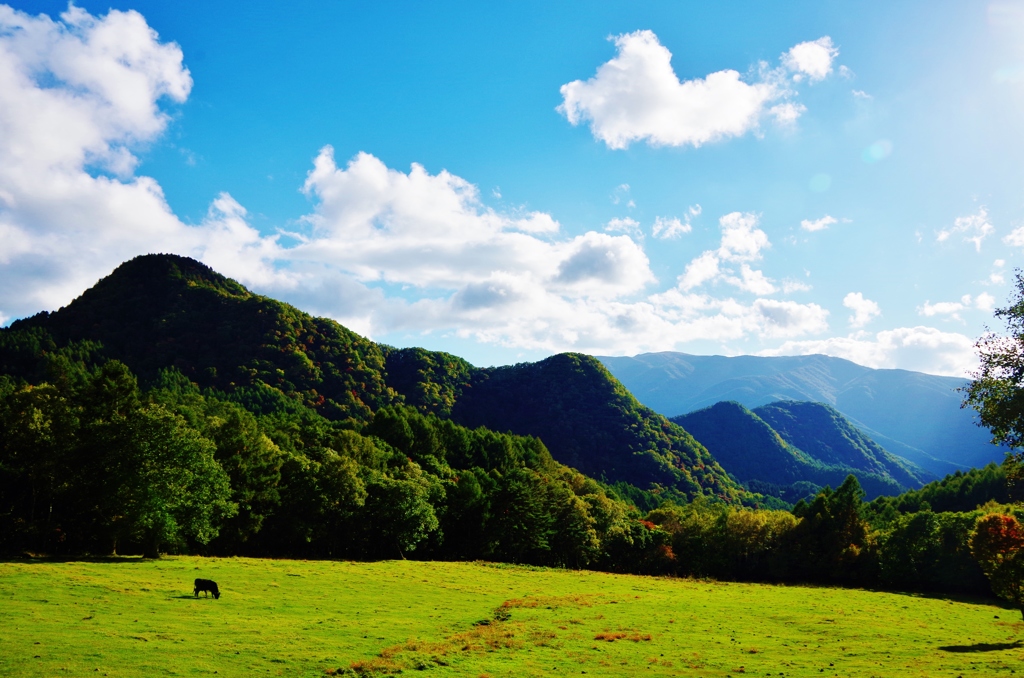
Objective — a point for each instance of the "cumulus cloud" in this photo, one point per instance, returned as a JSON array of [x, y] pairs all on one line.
[[637, 96], [77, 95], [923, 349], [742, 242], [864, 310], [952, 309], [818, 224], [787, 113], [812, 59], [751, 281], [80, 93], [975, 228]]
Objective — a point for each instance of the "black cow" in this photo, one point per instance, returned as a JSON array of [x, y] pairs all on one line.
[[208, 586]]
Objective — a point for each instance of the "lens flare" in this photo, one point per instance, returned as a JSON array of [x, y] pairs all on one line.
[[820, 183], [879, 150]]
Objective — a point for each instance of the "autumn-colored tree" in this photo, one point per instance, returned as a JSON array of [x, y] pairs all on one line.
[[998, 546]]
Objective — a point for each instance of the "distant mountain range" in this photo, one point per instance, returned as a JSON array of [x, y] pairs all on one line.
[[790, 449], [913, 415], [163, 311]]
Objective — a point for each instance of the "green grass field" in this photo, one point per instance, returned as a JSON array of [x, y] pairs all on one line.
[[131, 617]]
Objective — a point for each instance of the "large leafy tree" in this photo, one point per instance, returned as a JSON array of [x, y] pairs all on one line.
[[996, 390], [998, 546], [997, 387], [154, 479]]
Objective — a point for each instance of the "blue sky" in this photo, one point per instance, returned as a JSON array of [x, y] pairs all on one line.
[[506, 181]]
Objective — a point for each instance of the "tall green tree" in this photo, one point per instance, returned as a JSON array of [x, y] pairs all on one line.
[[38, 433], [996, 390], [154, 480], [830, 538]]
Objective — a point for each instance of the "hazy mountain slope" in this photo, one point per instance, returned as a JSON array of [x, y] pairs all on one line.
[[748, 447], [915, 415], [826, 435]]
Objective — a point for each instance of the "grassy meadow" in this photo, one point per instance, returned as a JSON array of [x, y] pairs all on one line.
[[130, 617]]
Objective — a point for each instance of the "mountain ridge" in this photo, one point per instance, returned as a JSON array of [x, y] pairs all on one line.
[[914, 415], [160, 311]]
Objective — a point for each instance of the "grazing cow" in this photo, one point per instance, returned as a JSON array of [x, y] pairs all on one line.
[[208, 586]]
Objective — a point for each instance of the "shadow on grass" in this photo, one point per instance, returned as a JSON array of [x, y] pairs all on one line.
[[983, 647]]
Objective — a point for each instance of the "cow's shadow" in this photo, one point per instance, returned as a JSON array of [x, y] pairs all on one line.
[[191, 597], [983, 647]]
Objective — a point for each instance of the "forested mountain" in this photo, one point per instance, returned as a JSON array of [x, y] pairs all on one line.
[[591, 422], [164, 311], [815, 447], [913, 415], [829, 437], [160, 311]]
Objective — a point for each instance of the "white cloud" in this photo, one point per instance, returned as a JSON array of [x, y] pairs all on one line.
[[982, 302], [787, 113], [950, 308], [432, 231], [637, 96], [752, 281], [996, 277], [77, 95], [811, 59], [741, 242], [864, 310], [976, 228], [861, 94], [923, 349], [741, 239], [699, 271], [621, 193], [626, 225], [665, 227], [985, 302], [789, 286], [536, 222], [1015, 238], [818, 224]]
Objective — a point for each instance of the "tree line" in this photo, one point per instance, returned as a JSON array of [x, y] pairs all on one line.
[[92, 463]]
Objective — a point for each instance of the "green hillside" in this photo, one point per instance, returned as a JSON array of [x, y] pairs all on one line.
[[745, 445], [168, 408], [766, 460], [166, 311], [591, 422], [162, 310], [829, 437], [570, 401]]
